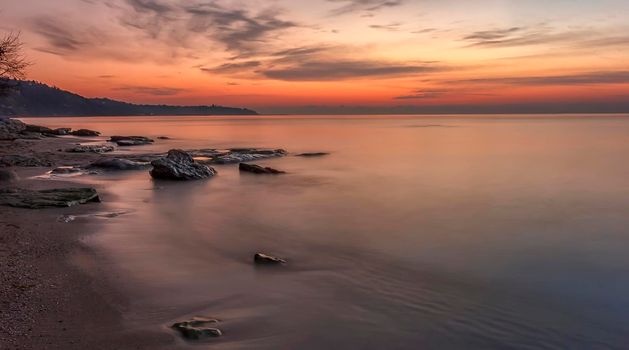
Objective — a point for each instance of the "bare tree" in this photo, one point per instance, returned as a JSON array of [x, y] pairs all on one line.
[[12, 60]]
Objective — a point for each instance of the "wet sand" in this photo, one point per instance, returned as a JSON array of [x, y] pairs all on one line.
[[53, 291]]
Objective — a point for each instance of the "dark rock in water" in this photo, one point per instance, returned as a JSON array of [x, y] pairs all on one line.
[[198, 328], [179, 165], [63, 197], [66, 170], [39, 129], [8, 175], [85, 132], [131, 140], [91, 149], [239, 155], [163, 138], [263, 259], [23, 161], [312, 154], [10, 128], [62, 131], [256, 169], [119, 164]]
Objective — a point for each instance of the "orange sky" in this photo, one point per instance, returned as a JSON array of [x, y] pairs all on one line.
[[278, 55]]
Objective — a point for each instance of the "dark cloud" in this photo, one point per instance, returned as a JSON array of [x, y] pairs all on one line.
[[590, 78], [421, 95], [351, 6], [59, 37], [321, 70], [237, 29], [229, 68], [391, 27], [153, 91]]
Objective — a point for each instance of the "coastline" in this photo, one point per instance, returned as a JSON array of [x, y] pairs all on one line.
[[54, 290]]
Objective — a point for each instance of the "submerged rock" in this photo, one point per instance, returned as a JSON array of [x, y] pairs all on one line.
[[312, 154], [131, 140], [23, 161], [119, 164], [239, 155], [163, 138], [256, 169], [263, 259], [91, 149], [198, 328], [85, 132], [63, 197], [66, 170], [179, 165], [8, 175]]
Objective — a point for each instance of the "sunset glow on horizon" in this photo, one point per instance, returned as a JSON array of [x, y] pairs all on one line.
[[286, 56]]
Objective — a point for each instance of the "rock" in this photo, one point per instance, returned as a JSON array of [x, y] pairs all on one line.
[[63, 197], [10, 128], [256, 169], [91, 149], [85, 132], [179, 165], [239, 155], [198, 328], [163, 138], [66, 170], [62, 131], [131, 140], [38, 129], [118, 164], [66, 218], [23, 161], [8, 175], [263, 259], [312, 154]]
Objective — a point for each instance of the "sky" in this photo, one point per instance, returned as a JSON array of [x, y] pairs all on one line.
[[333, 56]]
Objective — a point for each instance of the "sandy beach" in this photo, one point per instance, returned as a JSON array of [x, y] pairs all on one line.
[[53, 291]]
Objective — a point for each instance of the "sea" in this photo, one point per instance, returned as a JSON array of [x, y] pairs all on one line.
[[414, 232]]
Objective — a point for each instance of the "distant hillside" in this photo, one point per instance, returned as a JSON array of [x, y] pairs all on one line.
[[30, 99]]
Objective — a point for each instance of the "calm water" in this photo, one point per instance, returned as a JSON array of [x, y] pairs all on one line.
[[415, 233]]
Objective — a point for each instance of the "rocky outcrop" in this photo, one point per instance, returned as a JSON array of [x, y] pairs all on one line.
[[11, 128], [23, 161], [312, 154], [119, 164], [198, 328], [131, 140], [62, 131], [91, 149], [8, 175], [256, 169], [85, 133], [39, 129], [264, 259], [64, 197], [179, 165]]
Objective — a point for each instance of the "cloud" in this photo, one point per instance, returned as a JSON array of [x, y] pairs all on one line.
[[590, 78], [421, 95], [238, 30], [391, 27], [321, 70], [351, 6], [237, 67], [153, 91]]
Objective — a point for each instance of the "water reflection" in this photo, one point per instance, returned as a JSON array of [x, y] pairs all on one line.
[[496, 233]]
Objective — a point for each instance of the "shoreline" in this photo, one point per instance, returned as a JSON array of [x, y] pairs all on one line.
[[55, 290]]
